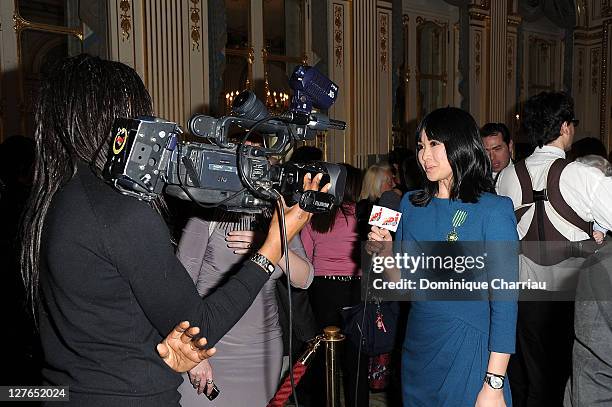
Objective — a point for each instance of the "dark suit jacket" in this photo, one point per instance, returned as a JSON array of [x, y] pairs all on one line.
[[591, 381]]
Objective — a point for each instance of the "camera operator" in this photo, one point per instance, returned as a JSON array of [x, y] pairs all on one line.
[[100, 266], [250, 354]]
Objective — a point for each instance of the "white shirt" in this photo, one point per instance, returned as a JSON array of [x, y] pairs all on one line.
[[510, 164], [585, 189]]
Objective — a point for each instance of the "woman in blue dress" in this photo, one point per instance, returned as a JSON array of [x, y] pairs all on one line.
[[455, 353]]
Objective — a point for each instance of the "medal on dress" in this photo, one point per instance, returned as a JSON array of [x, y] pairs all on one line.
[[458, 218]]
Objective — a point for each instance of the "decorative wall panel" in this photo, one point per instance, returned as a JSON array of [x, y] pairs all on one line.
[[385, 92], [338, 143], [166, 43], [498, 70], [365, 68]]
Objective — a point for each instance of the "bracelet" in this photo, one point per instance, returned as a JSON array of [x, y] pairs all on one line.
[[263, 262]]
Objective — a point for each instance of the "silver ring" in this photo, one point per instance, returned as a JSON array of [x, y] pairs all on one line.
[[209, 381]]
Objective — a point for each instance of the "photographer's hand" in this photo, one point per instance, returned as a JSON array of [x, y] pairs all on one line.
[[295, 219], [181, 351]]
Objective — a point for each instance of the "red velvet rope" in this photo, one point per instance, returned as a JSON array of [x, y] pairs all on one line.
[[282, 395]]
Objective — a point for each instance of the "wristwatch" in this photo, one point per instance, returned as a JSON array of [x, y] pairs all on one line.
[[494, 380], [263, 262]]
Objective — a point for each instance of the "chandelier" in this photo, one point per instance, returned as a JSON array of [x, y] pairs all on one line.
[[229, 99], [277, 102]]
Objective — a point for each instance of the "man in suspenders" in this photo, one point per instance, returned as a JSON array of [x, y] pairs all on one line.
[[555, 202]]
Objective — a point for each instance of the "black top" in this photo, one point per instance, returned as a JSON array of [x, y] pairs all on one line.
[[112, 288]]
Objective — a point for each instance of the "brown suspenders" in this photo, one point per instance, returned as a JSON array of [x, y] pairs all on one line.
[[557, 201], [551, 193], [541, 229]]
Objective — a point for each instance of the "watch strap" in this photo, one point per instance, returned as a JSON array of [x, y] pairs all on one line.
[[263, 262], [489, 376]]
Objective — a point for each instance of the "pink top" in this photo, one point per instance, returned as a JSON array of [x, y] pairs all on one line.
[[337, 252]]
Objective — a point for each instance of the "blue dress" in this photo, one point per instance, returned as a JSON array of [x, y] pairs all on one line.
[[446, 348]]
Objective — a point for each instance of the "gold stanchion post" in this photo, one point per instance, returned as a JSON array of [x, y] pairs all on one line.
[[332, 337]]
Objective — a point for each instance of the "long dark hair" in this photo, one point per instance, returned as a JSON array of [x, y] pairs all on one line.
[[459, 133], [324, 222], [78, 101]]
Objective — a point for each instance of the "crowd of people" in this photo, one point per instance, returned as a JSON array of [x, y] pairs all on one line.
[[121, 311]]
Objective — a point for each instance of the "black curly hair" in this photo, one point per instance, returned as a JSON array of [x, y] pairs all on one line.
[[544, 114]]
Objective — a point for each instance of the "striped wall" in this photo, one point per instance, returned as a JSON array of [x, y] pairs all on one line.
[[165, 42]]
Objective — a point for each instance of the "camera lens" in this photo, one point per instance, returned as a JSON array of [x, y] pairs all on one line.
[[248, 106]]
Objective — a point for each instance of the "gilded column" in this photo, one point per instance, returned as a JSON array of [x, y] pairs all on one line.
[[365, 68], [340, 60], [511, 67], [498, 70], [385, 92], [480, 21]]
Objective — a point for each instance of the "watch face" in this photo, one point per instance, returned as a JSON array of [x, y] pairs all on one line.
[[496, 382]]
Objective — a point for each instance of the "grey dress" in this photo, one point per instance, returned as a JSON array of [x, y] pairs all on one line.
[[247, 365]]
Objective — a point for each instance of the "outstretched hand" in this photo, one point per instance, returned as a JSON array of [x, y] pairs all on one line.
[[295, 220], [181, 351]]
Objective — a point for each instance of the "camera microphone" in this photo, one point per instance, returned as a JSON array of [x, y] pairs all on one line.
[[312, 89]]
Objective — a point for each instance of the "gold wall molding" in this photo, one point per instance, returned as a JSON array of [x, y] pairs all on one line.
[[479, 16], [126, 19], [338, 33], [339, 145], [21, 101], [594, 69], [589, 36], [514, 20], [384, 43], [421, 20], [510, 57], [604, 80], [480, 11], [481, 5], [21, 24], [580, 68], [477, 55], [194, 11]]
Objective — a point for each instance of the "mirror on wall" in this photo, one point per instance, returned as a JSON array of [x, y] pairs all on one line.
[[283, 32], [237, 20], [283, 27], [543, 58], [431, 61]]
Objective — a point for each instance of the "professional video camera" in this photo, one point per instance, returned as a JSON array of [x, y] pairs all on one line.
[[146, 154]]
